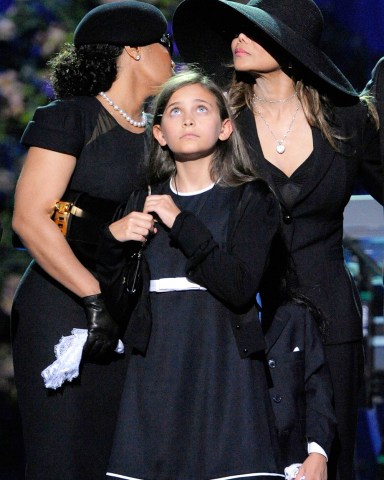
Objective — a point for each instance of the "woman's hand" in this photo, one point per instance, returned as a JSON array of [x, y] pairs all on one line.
[[164, 207], [103, 331], [313, 468], [134, 226]]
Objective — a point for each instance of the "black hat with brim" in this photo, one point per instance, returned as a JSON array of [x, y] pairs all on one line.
[[129, 22], [204, 29]]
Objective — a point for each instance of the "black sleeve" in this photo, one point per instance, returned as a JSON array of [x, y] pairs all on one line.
[[56, 126], [372, 170], [371, 165], [320, 416], [233, 275]]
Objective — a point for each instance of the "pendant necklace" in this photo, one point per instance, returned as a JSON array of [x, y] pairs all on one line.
[[280, 143], [125, 115]]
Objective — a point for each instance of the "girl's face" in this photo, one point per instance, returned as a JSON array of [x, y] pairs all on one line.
[[191, 125], [249, 56]]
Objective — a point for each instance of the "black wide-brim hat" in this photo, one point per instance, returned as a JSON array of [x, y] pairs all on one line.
[[129, 22], [203, 31]]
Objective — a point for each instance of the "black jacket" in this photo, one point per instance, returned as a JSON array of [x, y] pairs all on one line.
[[233, 274], [312, 229], [302, 390]]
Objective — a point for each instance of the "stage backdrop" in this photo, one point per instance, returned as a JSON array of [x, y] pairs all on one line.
[[364, 17]]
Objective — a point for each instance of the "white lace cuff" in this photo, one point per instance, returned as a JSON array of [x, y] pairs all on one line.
[[68, 353]]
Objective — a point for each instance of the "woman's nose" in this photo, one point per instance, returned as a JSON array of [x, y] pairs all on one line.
[[242, 37]]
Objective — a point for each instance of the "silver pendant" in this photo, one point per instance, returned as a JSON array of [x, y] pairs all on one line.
[[280, 148]]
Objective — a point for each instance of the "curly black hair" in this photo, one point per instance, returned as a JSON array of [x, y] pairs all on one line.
[[86, 70]]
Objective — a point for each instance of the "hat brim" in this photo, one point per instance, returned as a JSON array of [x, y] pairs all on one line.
[[203, 30]]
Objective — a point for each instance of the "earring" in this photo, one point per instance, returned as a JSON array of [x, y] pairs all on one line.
[[290, 65], [138, 57]]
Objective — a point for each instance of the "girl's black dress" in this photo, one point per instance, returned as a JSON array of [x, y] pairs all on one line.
[[68, 432], [192, 408]]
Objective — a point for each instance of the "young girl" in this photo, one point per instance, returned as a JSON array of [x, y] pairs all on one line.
[[196, 403]]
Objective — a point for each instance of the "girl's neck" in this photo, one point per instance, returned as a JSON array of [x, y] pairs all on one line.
[[192, 177]]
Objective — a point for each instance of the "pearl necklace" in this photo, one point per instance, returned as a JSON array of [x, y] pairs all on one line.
[[125, 115], [280, 143]]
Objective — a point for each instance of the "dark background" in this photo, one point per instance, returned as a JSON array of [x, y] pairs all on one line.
[[30, 32]]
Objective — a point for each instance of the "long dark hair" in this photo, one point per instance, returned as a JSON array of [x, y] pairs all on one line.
[[86, 70], [317, 106], [231, 163]]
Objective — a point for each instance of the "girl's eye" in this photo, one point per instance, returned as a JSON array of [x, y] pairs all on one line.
[[202, 108], [174, 111]]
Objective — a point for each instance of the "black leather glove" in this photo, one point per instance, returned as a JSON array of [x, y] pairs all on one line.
[[103, 331]]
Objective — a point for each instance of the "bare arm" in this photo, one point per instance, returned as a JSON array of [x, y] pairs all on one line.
[[43, 180]]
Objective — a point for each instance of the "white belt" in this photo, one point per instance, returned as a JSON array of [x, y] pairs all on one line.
[[176, 284]]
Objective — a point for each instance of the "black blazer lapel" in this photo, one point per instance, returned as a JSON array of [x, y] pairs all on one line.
[[276, 328], [324, 158], [245, 122]]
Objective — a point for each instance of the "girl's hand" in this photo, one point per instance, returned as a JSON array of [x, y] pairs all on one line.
[[163, 206], [134, 226], [313, 468]]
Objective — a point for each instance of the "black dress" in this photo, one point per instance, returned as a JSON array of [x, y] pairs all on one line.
[[192, 408], [68, 432]]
